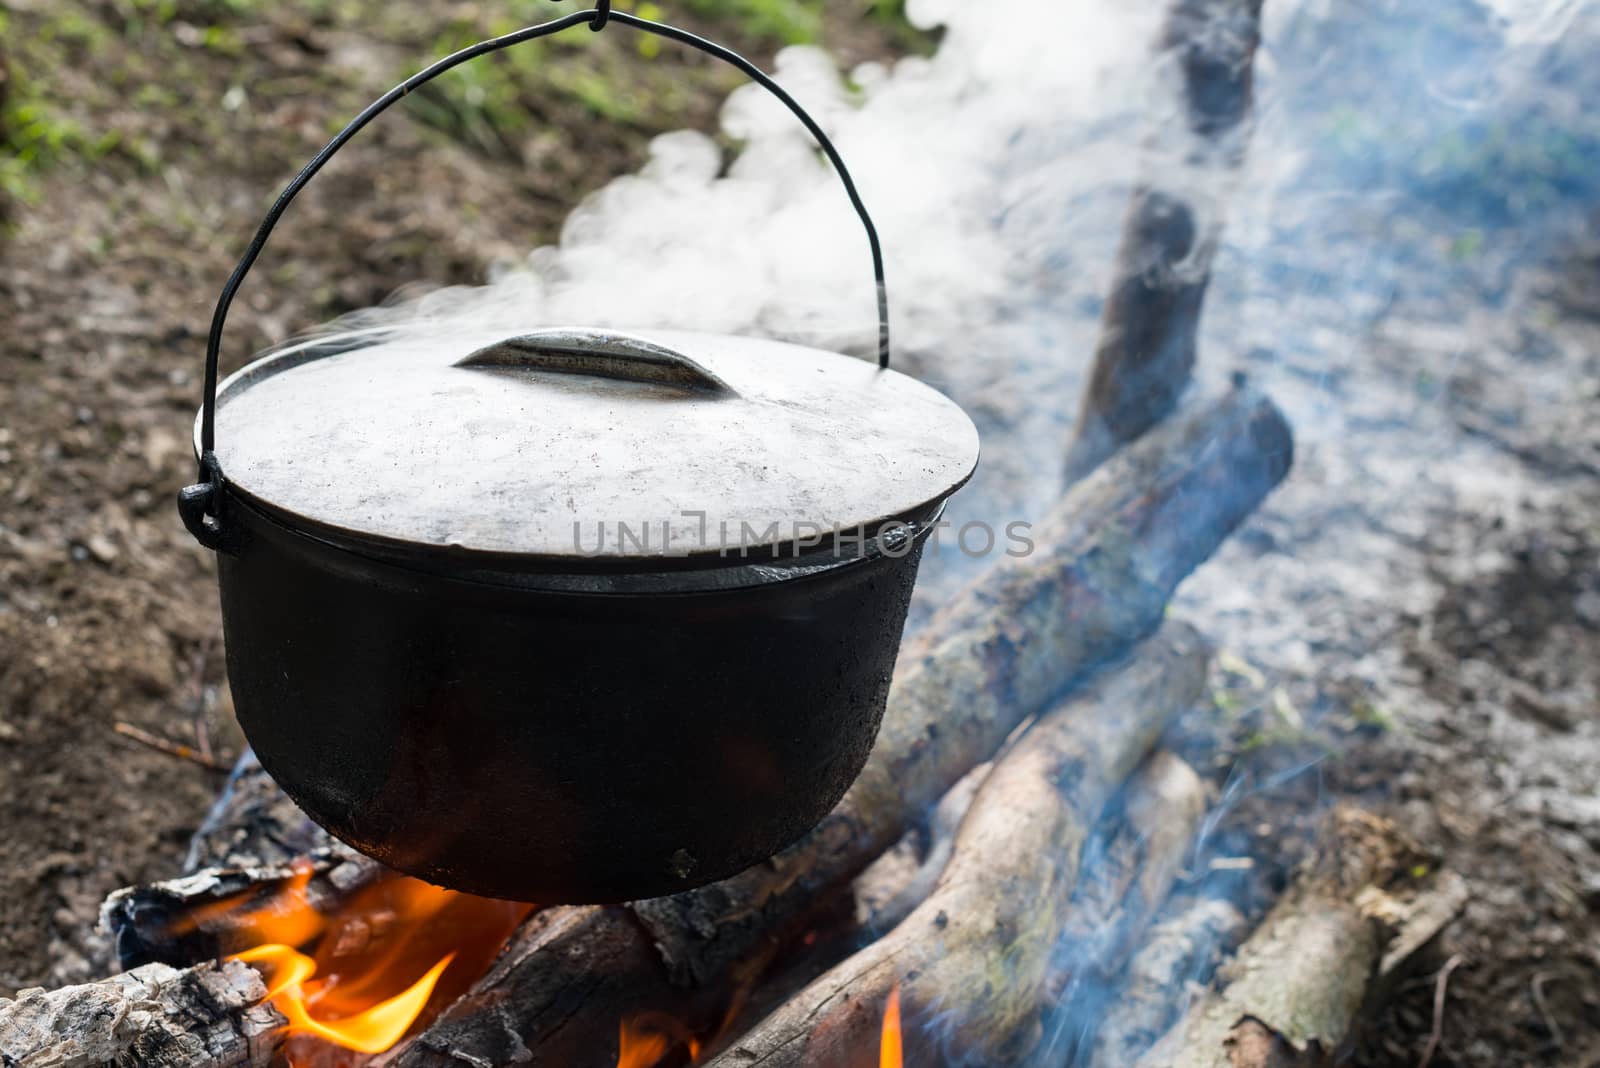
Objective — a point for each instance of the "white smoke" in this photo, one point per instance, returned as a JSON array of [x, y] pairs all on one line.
[[772, 245]]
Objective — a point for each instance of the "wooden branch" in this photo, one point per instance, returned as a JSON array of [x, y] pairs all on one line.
[[1136, 853], [1296, 989], [1155, 989], [976, 954], [208, 1016], [1104, 564], [1146, 351]]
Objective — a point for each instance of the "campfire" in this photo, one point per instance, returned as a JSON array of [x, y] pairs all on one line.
[[359, 977], [1011, 861], [875, 939]]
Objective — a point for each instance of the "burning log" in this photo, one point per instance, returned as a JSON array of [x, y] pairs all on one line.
[[1153, 991], [1146, 351], [977, 953], [208, 1016], [1104, 565], [1296, 989], [217, 911]]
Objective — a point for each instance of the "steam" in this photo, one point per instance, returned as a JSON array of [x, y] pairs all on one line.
[[772, 246]]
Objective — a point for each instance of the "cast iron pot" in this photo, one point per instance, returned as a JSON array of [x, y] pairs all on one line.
[[437, 651]]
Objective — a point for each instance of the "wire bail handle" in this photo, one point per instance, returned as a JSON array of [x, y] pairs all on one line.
[[200, 504]]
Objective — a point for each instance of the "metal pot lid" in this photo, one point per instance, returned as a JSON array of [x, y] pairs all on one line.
[[581, 444]]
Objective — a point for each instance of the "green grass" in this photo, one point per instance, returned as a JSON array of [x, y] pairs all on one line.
[[495, 102], [788, 21], [75, 60], [35, 133]]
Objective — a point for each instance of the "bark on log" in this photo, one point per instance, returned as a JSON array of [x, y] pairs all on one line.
[[1132, 875], [1146, 351], [1297, 987], [1156, 988], [1129, 871], [1105, 564], [882, 897], [208, 1016], [971, 962]]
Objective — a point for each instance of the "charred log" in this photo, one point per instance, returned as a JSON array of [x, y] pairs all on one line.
[[972, 962], [253, 825], [1146, 351], [208, 1016], [1104, 565], [217, 911]]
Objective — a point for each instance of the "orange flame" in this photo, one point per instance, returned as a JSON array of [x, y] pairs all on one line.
[[372, 1030], [283, 916], [361, 977], [890, 1054], [648, 1038]]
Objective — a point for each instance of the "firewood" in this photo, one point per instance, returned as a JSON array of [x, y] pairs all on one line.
[[253, 825], [251, 845], [215, 911], [1296, 989], [1133, 873], [881, 897], [971, 963], [208, 1016], [1104, 565], [1146, 351], [1130, 868], [881, 904], [1155, 988], [1136, 853]]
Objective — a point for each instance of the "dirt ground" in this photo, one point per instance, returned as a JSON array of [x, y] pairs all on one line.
[[1413, 621], [160, 131]]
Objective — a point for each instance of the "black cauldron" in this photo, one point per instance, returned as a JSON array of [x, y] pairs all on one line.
[[569, 615]]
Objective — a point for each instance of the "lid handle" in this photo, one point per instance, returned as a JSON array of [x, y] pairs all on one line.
[[593, 352], [596, 19]]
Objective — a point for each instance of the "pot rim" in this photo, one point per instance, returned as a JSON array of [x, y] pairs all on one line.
[[788, 552], [509, 571]]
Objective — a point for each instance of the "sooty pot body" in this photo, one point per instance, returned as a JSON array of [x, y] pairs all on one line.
[[555, 746]]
